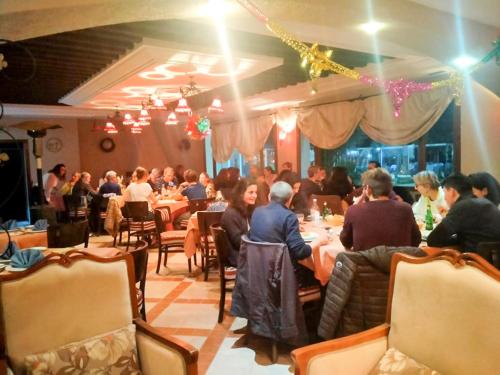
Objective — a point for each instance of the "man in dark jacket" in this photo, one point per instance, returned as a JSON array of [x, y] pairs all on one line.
[[470, 220], [277, 224]]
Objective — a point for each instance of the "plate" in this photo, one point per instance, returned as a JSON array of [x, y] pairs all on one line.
[[41, 248], [309, 236], [12, 269], [38, 230]]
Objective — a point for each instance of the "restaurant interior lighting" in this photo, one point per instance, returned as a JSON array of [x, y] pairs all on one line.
[[464, 61], [216, 106], [182, 107], [171, 119], [372, 27]]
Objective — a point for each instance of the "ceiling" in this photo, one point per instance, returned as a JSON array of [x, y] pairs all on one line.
[[79, 63]]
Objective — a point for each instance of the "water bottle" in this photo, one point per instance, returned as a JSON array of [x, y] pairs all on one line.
[[315, 215], [429, 220]]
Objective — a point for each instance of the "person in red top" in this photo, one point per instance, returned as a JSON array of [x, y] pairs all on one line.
[[381, 220]]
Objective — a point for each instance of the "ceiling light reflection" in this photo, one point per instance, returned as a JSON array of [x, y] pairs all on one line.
[[372, 27]]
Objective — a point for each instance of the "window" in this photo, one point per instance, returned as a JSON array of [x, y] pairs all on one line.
[[435, 151]]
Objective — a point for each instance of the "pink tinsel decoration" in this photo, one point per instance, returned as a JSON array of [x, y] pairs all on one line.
[[252, 8], [399, 90]]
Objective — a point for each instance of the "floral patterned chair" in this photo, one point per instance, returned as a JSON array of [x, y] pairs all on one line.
[[74, 312], [442, 313]]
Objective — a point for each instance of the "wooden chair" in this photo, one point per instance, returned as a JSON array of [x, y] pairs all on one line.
[[226, 273], [205, 219], [336, 204], [135, 215], [75, 210], [103, 205], [68, 234], [196, 205], [169, 241], [140, 255], [490, 251], [444, 303], [75, 296]]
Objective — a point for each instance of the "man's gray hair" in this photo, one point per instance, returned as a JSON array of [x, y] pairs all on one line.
[[110, 175], [281, 192]]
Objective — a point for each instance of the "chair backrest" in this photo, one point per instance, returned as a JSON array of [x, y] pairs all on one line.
[[74, 206], [222, 246], [140, 255], [64, 298], [334, 202], [162, 217], [137, 211], [266, 292], [444, 311], [68, 234], [490, 251], [199, 204], [207, 218]]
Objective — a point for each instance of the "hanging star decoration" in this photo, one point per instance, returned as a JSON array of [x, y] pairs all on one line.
[[398, 90]]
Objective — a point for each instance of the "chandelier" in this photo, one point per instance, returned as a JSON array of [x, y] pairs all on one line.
[[154, 105]]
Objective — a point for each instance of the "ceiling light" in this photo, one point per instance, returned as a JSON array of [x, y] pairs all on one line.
[[216, 106], [128, 120], [144, 117], [182, 107], [172, 119], [110, 128], [136, 128], [371, 27], [464, 61]]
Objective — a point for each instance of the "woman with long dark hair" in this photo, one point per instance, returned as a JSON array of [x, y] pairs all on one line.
[[236, 218], [486, 186], [56, 178]]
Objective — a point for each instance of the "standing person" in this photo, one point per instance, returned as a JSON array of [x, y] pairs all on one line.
[[84, 195], [275, 223], [471, 220], [484, 185], [55, 179], [236, 217], [207, 182], [141, 191], [431, 193], [381, 220]]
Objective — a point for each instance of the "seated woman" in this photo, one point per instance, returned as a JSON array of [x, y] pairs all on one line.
[[427, 184], [236, 218], [484, 185], [207, 182], [340, 184], [141, 191]]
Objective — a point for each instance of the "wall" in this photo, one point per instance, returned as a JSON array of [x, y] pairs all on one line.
[[69, 153], [157, 146], [480, 131], [287, 149]]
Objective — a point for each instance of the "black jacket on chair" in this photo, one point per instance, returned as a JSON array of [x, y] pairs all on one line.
[[266, 293]]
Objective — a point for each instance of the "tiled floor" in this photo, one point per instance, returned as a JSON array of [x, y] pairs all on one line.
[[186, 307]]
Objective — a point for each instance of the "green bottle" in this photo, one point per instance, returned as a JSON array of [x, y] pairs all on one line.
[[429, 222]]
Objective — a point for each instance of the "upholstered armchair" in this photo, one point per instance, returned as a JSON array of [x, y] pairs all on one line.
[[442, 312], [71, 297]]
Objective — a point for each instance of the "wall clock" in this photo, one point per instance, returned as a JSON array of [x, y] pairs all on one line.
[[54, 144], [107, 145]]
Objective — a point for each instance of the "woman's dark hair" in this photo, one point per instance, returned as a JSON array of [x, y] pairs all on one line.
[[288, 176], [236, 199], [483, 180], [338, 183], [57, 170]]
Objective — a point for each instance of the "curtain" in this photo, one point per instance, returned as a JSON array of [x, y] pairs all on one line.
[[247, 138], [418, 114], [330, 125]]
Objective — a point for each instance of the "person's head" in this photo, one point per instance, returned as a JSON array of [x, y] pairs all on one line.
[[141, 174], [313, 172], [179, 170], [59, 170], [243, 196], [75, 177], [322, 173], [281, 192], [168, 174], [339, 182], [425, 182], [289, 177], [111, 176], [372, 164], [378, 182], [190, 176], [155, 173], [268, 171], [85, 177], [253, 171], [296, 187], [286, 166], [456, 185], [484, 185], [204, 178]]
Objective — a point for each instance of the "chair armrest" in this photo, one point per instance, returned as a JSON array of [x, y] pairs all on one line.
[[354, 354], [158, 352]]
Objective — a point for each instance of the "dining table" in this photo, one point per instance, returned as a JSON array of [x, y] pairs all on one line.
[[24, 238]]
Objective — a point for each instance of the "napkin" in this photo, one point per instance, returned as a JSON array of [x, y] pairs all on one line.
[[26, 258], [9, 251], [40, 224], [10, 224]]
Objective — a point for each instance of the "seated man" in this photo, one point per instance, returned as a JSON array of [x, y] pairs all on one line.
[[111, 186], [470, 220], [277, 224], [381, 220]]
